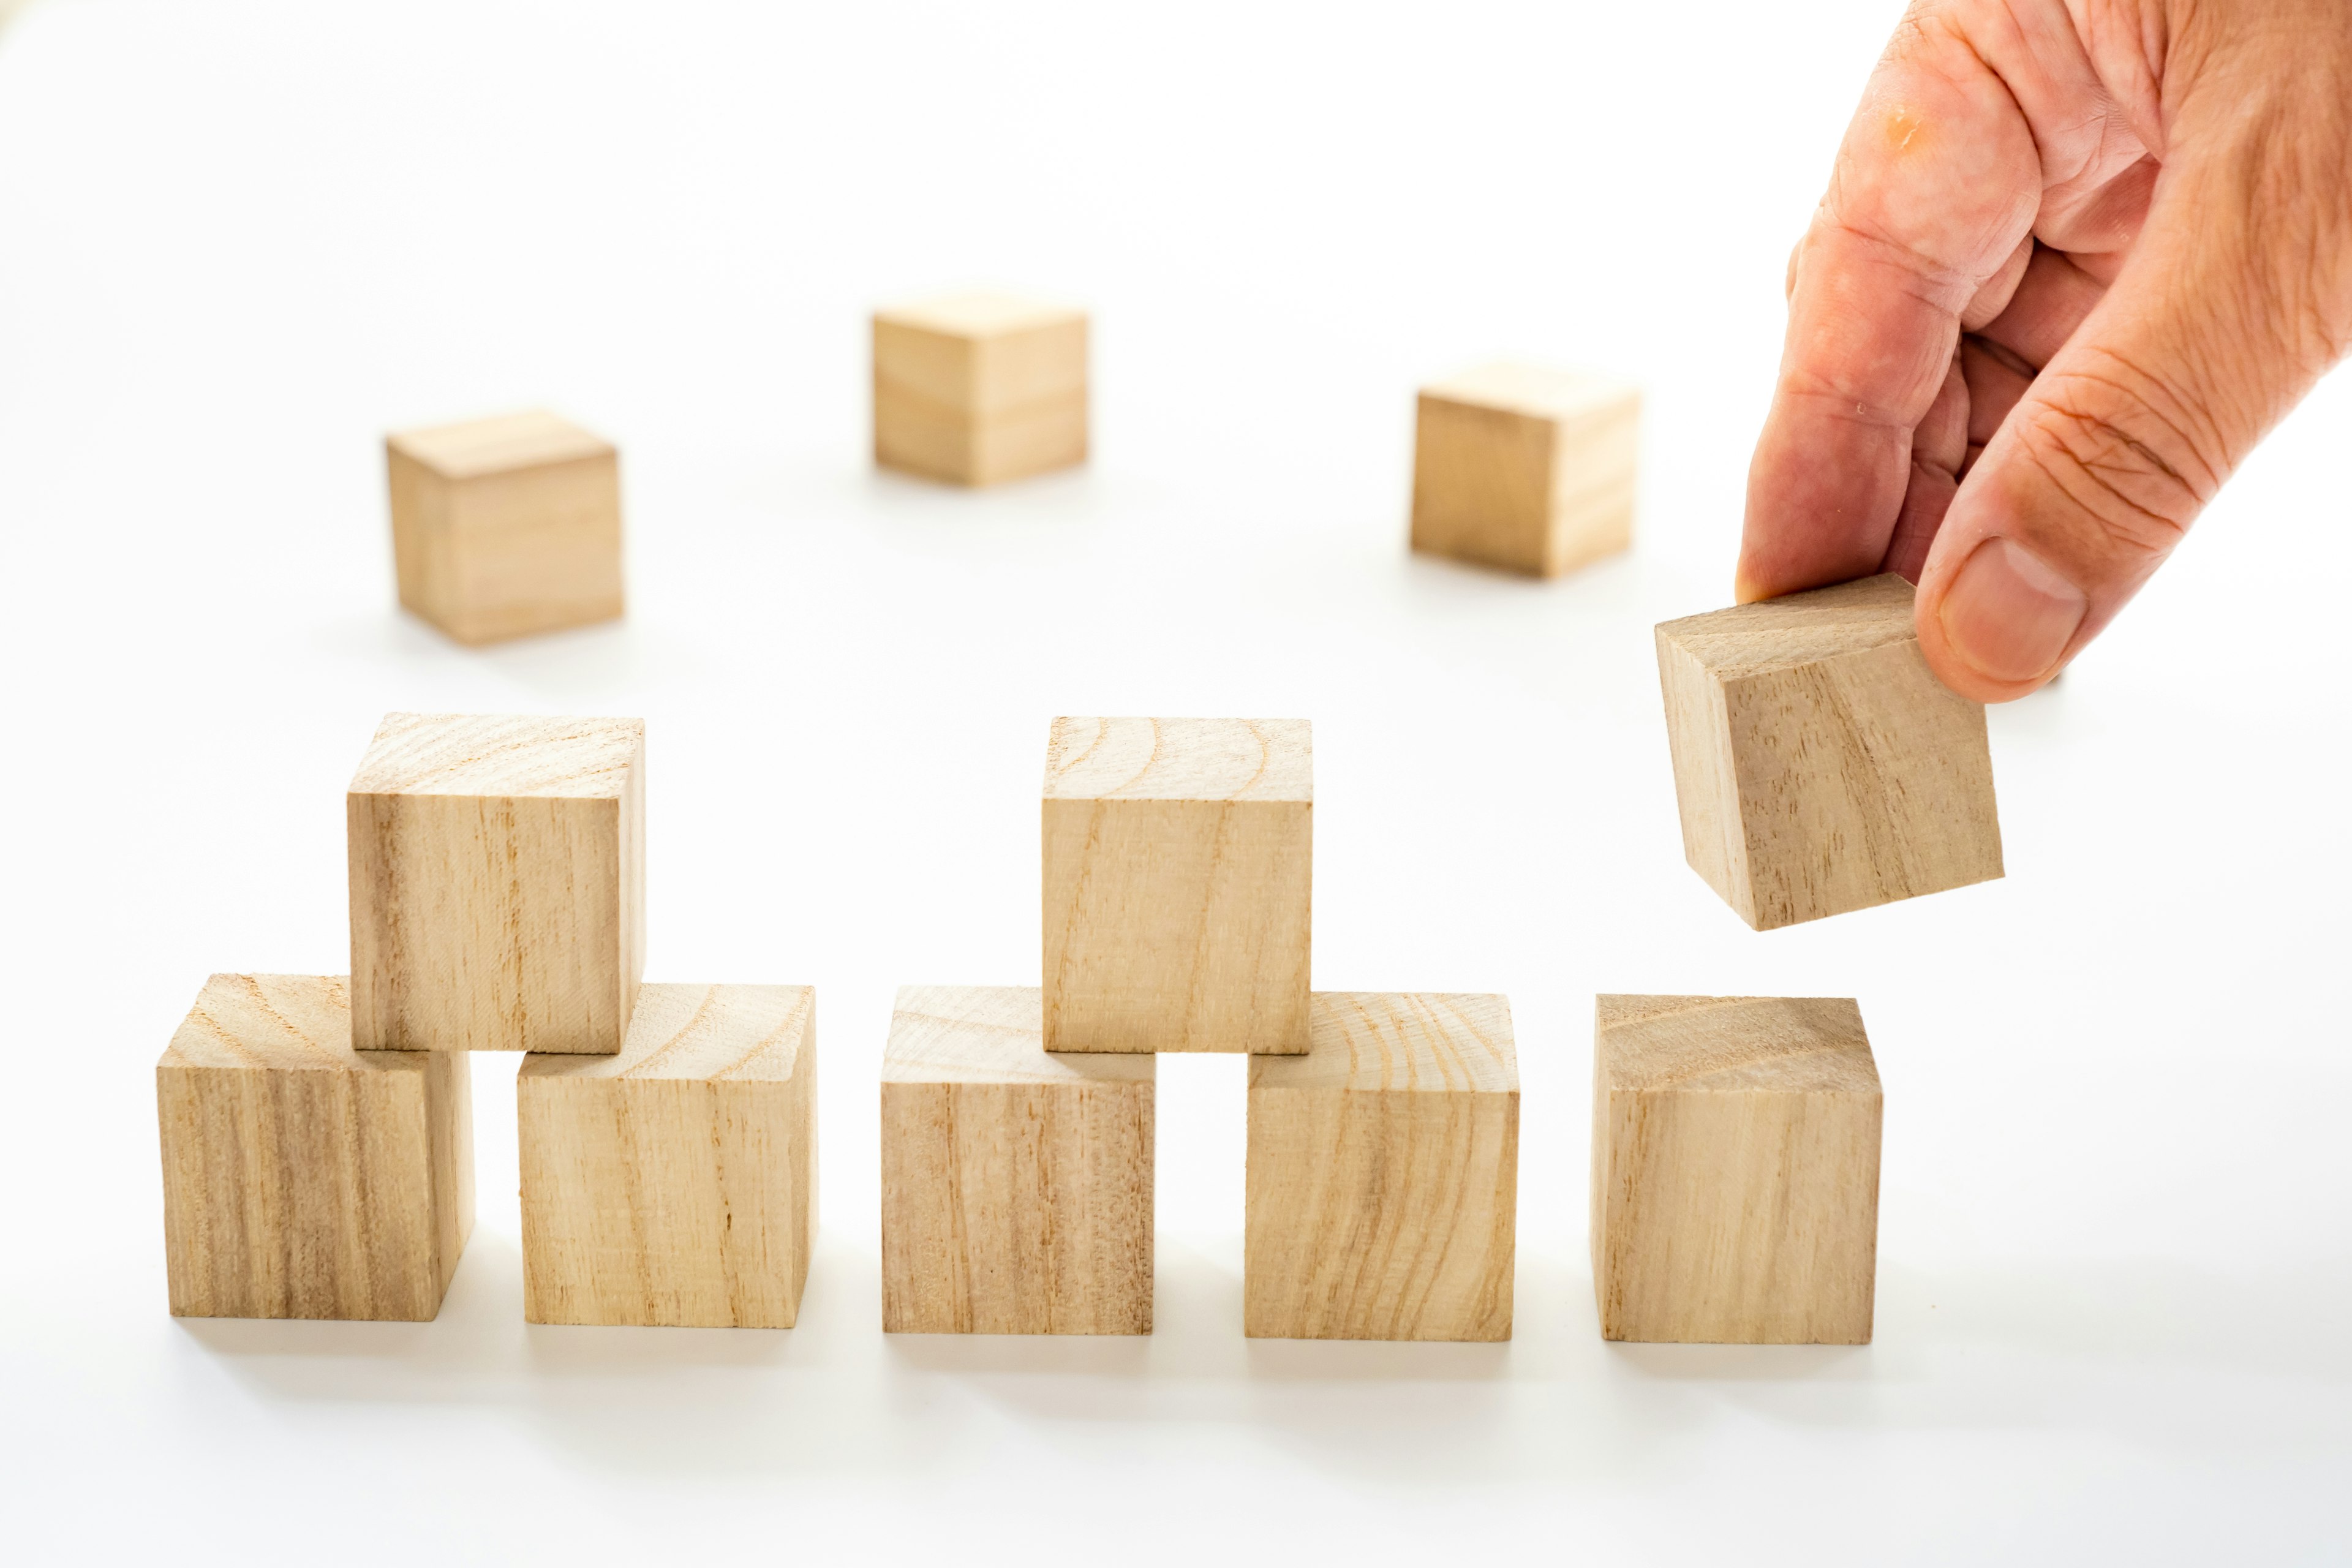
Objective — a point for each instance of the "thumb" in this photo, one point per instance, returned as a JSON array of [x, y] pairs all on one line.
[[2236, 298]]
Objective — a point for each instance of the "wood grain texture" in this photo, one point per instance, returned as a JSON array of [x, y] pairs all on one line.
[[1383, 1173], [979, 388], [1016, 1186], [301, 1178], [1735, 1170], [676, 1182], [497, 883], [506, 527], [1179, 870], [1526, 469], [1819, 766]]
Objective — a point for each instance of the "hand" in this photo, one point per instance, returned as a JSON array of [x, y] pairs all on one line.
[[2076, 257]]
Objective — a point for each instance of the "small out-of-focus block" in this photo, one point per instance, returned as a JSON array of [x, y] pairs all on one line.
[[1735, 1170], [505, 526], [1016, 1186], [498, 879], [1526, 469], [977, 388], [676, 1182], [301, 1178], [1819, 763], [1383, 1173]]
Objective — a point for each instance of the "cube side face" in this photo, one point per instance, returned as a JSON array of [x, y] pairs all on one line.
[[1029, 401], [1036, 438], [1706, 792], [1178, 925], [422, 554], [1746, 1218], [534, 550], [1595, 465], [1381, 1216], [1861, 780], [925, 419], [1017, 1209], [1482, 485], [487, 924]]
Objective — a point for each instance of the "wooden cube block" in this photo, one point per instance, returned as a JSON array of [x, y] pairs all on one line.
[[497, 883], [505, 526], [676, 1182], [301, 1178], [1735, 1170], [1179, 862], [1384, 1173], [1818, 765], [1016, 1186], [1526, 469], [979, 388]]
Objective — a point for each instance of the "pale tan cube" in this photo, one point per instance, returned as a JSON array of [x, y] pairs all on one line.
[[301, 1178], [497, 881], [1735, 1170], [1526, 469], [675, 1185], [505, 526], [1383, 1173], [1016, 1184], [1179, 870], [1818, 765], [979, 388]]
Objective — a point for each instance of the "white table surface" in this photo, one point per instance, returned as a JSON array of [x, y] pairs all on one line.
[[238, 242]]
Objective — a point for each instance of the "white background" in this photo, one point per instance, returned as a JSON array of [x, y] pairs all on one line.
[[239, 242]]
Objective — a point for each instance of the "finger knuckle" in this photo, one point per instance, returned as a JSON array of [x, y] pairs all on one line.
[[2116, 442]]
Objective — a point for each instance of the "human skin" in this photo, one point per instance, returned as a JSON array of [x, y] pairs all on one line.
[[2076, 257]]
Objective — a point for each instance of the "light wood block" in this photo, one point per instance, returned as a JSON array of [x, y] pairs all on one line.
[[1526, 469], [497, 883], [1735, 1170], [1016, 1186], [505, 526], [1383, 1173], [977, 388], [1179, 861], [676, 1182], [301, 1178], [1818, 765]]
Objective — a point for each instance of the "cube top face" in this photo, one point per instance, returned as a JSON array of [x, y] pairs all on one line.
[[704, 1034], [1701, 1045], [990, 1034], [498, 446], [1534, 391], [977, 314], [501, 756], [1778, 635], [1215, 760], [297, 1023], [1400, 1042]]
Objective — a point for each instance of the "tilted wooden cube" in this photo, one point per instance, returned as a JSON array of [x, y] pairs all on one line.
[[1016, 1186], [1526, 469], [301, 1178], [1179, 860], [979, 388], [497, 881], [505, 526], [1819, 766], [1383, 1173], [676, 1182], [1735, 1170]]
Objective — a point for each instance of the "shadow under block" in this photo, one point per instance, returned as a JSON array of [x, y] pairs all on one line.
[[676, 1182], [1526, 469], [497, 883], [1383, 1173], [1735, 1170], [1179, 859], [301, 1178], [1819, 766], [1016, 1186], [505, 526], [979, 388]]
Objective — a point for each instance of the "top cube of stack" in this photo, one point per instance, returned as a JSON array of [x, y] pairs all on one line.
[[1179, 862], [505, 526], [1526, 469], [979, 388]]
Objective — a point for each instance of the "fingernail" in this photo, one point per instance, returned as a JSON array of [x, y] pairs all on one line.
[[2009, 614]]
